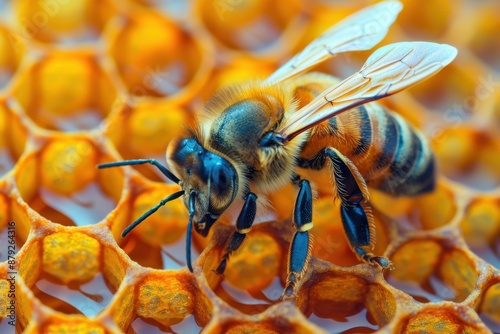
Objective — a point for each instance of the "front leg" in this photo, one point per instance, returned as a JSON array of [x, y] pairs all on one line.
[[243, 226], [300, 247]]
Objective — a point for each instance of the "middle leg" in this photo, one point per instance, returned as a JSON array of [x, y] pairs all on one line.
[[300, 247]]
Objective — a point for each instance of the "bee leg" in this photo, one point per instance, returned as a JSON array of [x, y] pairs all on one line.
[[301, 243], [243, 226], [355, 210]]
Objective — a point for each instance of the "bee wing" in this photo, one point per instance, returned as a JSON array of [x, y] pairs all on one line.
[[360, 31], [388, 70]]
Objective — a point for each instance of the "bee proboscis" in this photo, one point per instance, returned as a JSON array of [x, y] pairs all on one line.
[[254, 138]]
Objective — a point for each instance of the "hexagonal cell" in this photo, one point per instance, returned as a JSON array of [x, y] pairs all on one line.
[[437, 319], [72, 281], [484, 42], [346, 303], [144, 131], [167, 300], [330, 241], [469, 156], [252, 280], [12, 138], [481, 229], [252, 26], [62, 22], [12, 53], [157, 57], [62, 184], [488, 309], [432, 272], [160, 240], [66, 90], [432, 210]]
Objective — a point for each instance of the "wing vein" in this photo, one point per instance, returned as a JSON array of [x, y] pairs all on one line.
[[388, 70]]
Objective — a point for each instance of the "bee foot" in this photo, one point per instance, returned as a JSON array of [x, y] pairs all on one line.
[[288, 292], [382, 262], [369, 258]]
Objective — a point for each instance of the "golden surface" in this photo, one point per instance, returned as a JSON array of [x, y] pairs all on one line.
[[90, 81], [70, 257]]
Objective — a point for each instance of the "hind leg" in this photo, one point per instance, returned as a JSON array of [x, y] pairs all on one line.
[[355, 210]]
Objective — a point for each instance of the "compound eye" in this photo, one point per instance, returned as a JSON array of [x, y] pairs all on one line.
[[220, 178], [223, 186]]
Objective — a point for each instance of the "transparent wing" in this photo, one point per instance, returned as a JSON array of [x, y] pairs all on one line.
[[360, 31], [388, 70]]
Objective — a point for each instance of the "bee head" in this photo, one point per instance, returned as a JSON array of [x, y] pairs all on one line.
[[211, 177]]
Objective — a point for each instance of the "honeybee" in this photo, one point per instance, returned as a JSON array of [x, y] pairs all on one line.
[[253, 138]]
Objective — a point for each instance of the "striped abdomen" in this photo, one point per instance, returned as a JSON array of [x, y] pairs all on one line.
[[389, 154]]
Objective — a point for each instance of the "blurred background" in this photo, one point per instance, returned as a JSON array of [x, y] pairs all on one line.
[[88, 81]]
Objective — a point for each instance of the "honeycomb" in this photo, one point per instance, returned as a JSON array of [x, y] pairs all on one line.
[[85, 82]]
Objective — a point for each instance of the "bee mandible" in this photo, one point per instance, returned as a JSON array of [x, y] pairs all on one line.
[[254, 138]]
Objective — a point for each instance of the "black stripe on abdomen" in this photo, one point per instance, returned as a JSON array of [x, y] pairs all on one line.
[[407, 153], [423, 179], [365, 136], [390, 141], [411, 171]]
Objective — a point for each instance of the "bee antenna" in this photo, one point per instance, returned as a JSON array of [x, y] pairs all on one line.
[[192, 196], [153, 162], [148, 213]]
